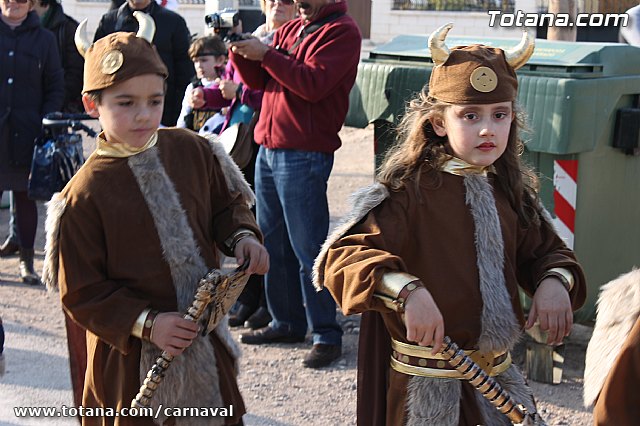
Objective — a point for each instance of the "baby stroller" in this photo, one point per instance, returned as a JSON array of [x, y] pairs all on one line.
[[57, 155]]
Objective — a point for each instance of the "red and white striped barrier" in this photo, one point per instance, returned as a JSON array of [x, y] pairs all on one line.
[[565, 188]]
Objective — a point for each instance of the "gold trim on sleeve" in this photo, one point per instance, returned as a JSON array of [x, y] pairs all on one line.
[[389, 287], [564, 275], [138, 326]]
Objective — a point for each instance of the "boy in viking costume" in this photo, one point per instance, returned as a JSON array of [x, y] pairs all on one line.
[[440, 245], [134, 231]]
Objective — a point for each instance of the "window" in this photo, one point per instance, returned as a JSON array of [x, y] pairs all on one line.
[[455, 5], [255, 3]]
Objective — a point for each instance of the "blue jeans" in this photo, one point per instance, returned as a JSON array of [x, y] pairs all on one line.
[[13, 224], [293, 213]]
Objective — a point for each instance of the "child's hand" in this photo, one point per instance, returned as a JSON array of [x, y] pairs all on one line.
[[252, 249], [423, 320], [172, 333], [196, 98], [552, 308], [228, 89]]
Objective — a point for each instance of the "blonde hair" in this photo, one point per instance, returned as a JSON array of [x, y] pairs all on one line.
[[418, 148]]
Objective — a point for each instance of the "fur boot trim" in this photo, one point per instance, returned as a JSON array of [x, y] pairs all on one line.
[[235, 180], [362, 201], [617, 312], [55, 209], [192, 380]]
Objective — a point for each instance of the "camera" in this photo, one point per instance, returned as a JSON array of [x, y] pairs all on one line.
[[222, 22]]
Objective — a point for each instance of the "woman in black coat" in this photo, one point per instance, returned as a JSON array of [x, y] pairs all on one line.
[[31, 85], [172, 41]]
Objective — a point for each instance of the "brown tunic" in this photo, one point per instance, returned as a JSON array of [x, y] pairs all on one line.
[[112, 264], [619, 401], [431, 236]]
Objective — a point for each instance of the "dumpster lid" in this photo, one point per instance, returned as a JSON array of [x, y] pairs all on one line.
[[550, 58]]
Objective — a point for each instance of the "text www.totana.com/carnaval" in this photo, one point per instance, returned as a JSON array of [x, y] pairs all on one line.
[[520, 18], [65, 411]]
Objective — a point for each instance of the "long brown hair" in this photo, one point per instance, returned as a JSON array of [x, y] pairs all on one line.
[[419, 148]]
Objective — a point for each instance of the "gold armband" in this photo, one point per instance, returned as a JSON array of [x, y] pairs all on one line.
[[147, 330], [564, 275], [138, 326], [235, 238], [395, 288]]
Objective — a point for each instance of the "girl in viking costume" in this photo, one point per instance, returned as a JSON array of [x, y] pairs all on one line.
[[440, 245], [132, 234]]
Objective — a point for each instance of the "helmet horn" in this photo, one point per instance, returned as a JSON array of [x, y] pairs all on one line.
[[519, 55], [147, 28], [439, 50], [80, 38]]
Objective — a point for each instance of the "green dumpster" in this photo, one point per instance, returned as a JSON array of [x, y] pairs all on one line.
[[582, 103]]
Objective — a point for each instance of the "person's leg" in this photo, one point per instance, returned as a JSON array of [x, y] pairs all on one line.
[[247, 301], [1, 348], [13, 224], [12, 243], [261, 317], [284, 297], [301, 181], [27, 221]]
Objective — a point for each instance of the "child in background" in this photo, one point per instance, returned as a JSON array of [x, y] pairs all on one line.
[[209, 55], [135, 230], [441, 244]]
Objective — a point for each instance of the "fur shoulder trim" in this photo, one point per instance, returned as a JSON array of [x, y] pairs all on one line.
[[617, 312], [362, 202], [235, 178], [55, 209]]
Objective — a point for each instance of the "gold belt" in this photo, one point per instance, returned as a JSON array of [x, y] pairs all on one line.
[[418, 361]]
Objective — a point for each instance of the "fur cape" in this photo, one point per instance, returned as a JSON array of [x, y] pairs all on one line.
[[436, 401], [196, 368], [618, 309]]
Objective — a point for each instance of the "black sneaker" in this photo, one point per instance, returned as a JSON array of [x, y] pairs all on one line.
[[259, 319], [269, 335], [322, 355]]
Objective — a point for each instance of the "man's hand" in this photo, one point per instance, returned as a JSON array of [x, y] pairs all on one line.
[[252, 49], [196, 98], [172, 333], [552, 308], [423, 320], [228, 89], [258, 257]]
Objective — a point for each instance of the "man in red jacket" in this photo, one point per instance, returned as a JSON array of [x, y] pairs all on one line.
[[306, 75]]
